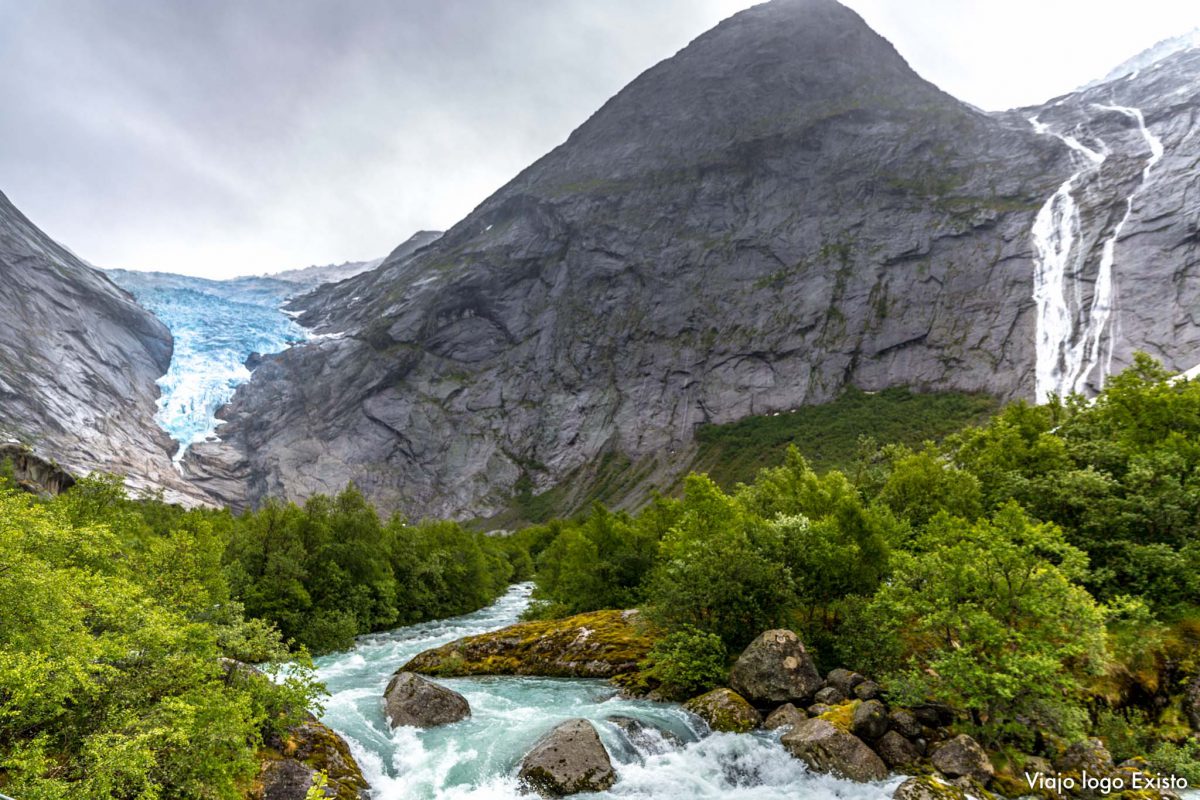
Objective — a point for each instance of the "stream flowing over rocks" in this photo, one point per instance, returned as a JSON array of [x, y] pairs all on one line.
[[657, 750]]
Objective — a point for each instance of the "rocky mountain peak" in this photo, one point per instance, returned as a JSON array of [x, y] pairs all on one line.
[[781, 209]]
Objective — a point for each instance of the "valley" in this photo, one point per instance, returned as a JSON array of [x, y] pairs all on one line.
[[791, 428]]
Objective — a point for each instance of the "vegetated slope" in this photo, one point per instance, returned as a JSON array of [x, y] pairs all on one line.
[[78, 363], [781, 210], [829, 435]]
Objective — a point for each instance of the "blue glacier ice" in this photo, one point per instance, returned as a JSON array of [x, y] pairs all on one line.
[[216, 325]]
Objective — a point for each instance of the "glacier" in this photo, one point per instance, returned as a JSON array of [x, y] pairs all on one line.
[[216, 326]]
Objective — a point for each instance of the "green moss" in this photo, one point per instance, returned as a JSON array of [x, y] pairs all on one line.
[[841, 716], [598, 644], [724, 710]]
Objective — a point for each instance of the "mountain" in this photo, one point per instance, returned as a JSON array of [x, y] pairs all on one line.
[[781, 210], [78, 363], [332, 273], [328, 273], [1151, 56]]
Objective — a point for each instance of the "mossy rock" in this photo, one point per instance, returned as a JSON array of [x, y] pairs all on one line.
[[930, 787], [725, 711], [598, 644], [842, 715], [308, 749]]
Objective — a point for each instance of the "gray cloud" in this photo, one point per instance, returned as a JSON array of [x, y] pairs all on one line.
[[222, 137]]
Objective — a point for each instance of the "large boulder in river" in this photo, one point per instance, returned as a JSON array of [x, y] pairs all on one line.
[[776, 668], [825, 747], [962, 757], [568, 760], [598, 644], [412, 700], [725, 711]]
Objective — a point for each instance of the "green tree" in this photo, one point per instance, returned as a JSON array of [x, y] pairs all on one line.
[[712, 576], [989, 617]]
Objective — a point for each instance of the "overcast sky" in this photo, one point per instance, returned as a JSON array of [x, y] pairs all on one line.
[[222, 137]]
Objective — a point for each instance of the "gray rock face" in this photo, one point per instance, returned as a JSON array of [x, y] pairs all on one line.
[[775, 668], [826, 748], [780, 210], [412, 700], [78, 364], [568, 760], [33, 473], [1191, 702], [962, 757]]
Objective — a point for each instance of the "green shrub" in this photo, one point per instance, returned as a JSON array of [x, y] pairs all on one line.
[[687, 662]]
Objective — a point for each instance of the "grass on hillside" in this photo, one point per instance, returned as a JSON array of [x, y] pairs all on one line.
[[828, 435]]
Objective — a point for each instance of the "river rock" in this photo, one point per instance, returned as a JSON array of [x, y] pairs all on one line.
[[963, 757], [598, 644], [786, 714], [1089, 755], [896, 751], [903, 722], [645, 738], [934, 715], [295, 759], [775, 668], [928, 788], [867, 690], [725, 710], [568, 760], [826, 748], [844, 681], [412, 700], [870, 720], [830, 696]]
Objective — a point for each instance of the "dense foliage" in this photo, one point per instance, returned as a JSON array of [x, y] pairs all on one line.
[[113, 626], [121, 622], [330, 570], [1041, 567]]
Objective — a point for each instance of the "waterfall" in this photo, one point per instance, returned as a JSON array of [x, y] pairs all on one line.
[[1057, 265], [1070, 337], [1103, 300]]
